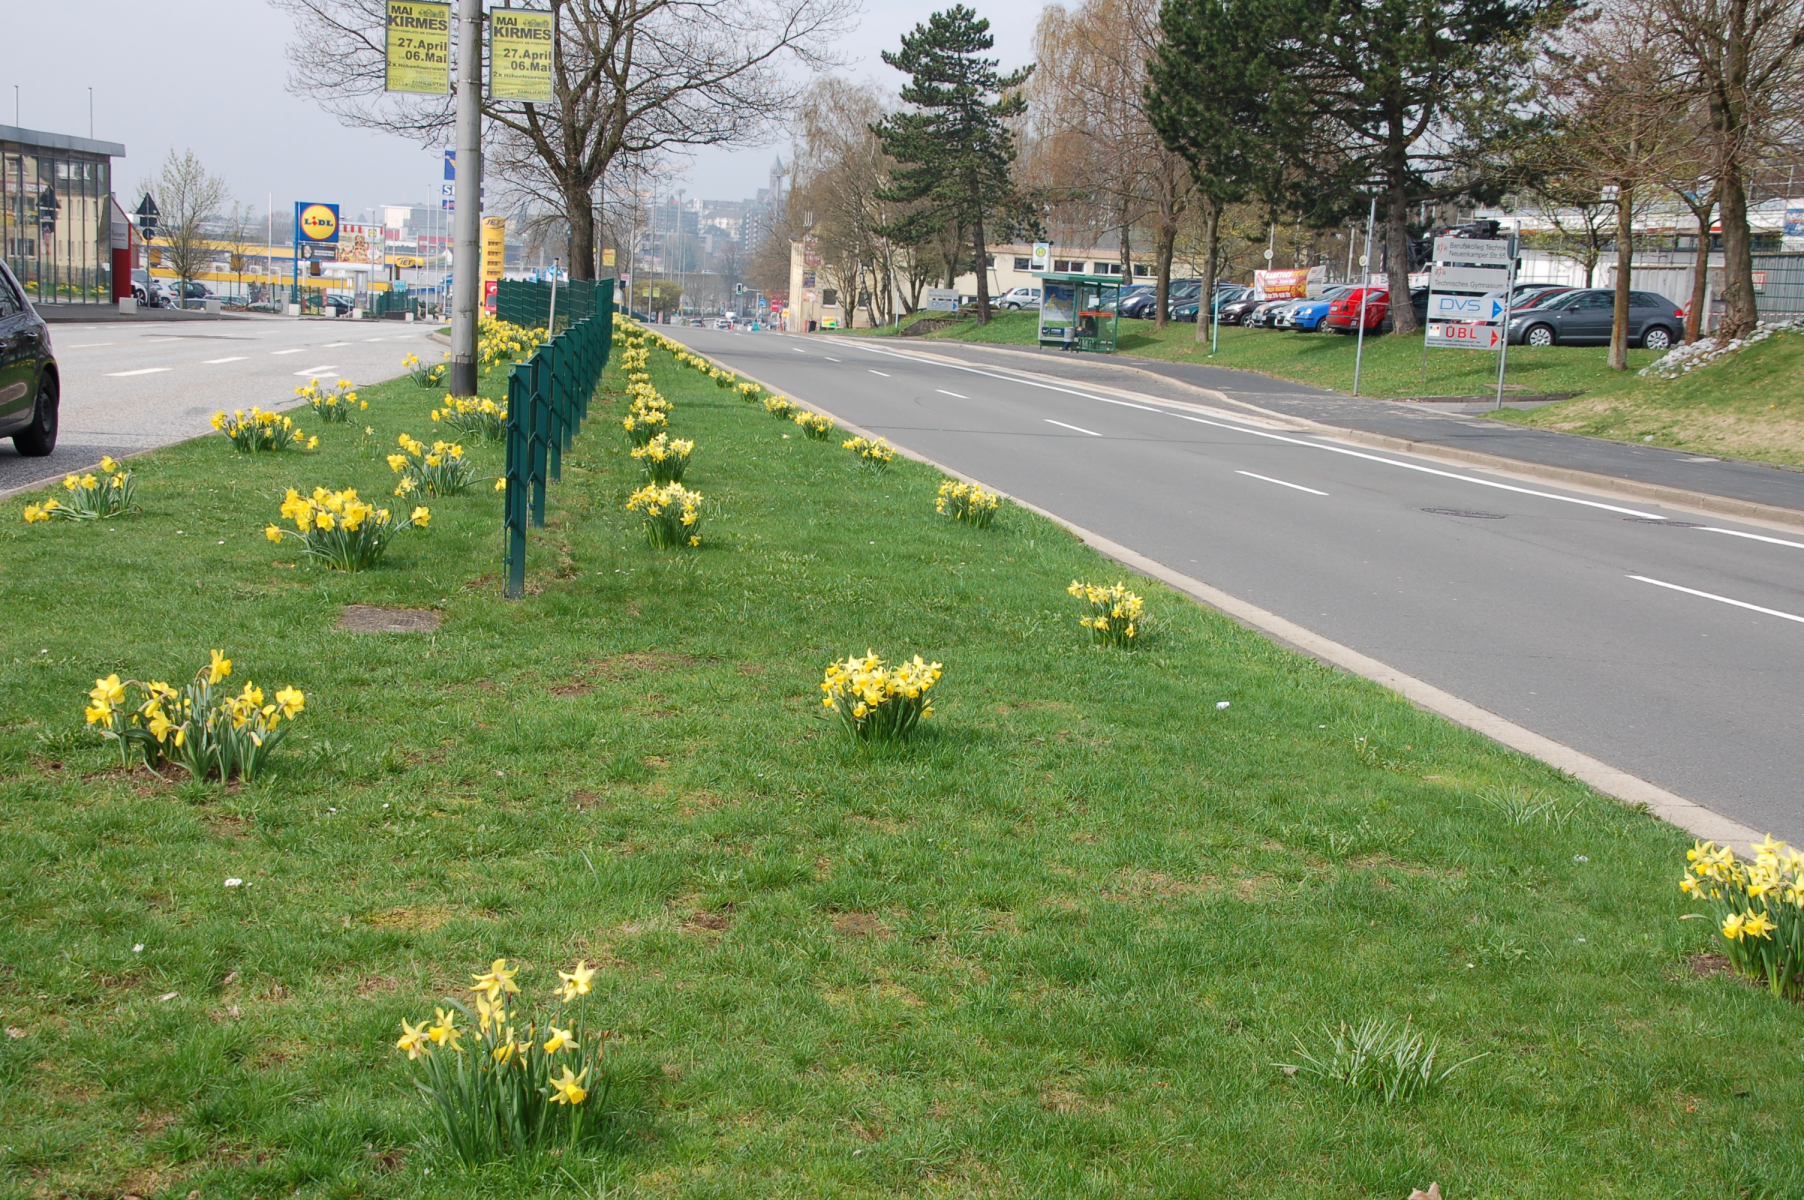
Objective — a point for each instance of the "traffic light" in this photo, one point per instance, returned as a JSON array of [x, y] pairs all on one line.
[[739, 289]]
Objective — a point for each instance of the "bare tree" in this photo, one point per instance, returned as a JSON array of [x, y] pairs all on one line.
[[1744, 61], [240, 237], [630, 77], [189, 197]]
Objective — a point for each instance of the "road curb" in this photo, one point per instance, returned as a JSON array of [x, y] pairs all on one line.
[[1638, 793], [1608, 485]]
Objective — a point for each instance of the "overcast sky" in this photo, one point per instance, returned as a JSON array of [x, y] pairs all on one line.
[[211, 75]]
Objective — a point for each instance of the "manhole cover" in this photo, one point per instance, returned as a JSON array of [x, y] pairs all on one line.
[[368, 618], [1663, 521], [1461, 512]]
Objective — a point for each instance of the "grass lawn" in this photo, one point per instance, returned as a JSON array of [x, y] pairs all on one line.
[[1055, 947]]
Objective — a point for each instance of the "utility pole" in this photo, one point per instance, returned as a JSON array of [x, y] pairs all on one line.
[[466, 279]]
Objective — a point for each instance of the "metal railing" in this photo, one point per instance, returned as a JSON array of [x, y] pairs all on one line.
[[530, 304], [547, 402]]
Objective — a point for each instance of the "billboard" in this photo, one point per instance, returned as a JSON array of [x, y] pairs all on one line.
[[1280, 285], [494, 246], [417, 48], [520, 54], [363, 245], [316, 223]]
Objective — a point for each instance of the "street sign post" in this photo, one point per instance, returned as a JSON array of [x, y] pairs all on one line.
[[1463, 336]]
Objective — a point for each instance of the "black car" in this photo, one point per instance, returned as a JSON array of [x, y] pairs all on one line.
[[338, 306], [1139, 302], [1234, 312], [1585, 318], [28, 374]]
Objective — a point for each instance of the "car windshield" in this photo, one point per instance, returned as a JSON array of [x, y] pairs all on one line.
[[1544, 299]]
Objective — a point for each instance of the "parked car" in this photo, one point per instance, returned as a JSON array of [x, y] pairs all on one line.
[[338, 306], [1265, 316], [29, 379], [1308, 314], [1585, 318], [160, 293], [1234, 312], [1018, 298], [1140, 301], [1343, 314]]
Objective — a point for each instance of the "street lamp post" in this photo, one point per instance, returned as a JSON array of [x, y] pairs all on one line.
[[466, 278]]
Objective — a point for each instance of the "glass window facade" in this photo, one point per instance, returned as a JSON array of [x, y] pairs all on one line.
[[55, 221]]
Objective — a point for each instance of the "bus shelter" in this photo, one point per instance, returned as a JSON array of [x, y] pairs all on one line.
[[1077, 312]]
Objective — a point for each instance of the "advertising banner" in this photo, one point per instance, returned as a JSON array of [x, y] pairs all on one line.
[[417, 48], [1280, 285], [1794, 225], [364, 245], [1493, 252], [494, 246], [520, 54], [1469, 337]]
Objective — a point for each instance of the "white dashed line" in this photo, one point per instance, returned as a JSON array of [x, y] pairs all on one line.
[[1771, 612], [1281, 483], [1078, 428], [139, 371], [875, 371], [316, 370], [334, 345], [296, 350], [216, 361], [954, 395], [87, 345]]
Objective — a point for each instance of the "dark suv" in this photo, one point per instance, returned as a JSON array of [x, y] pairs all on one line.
[[28, 377]]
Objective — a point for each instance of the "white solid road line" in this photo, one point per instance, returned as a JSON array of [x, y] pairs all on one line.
[[139, 371], [296, 350], [1758, 537], [1281, 483], [334, 345], [1078, 428], [215, 361], [87, 345], [875, 371], [830, 358], [316, 370], [954, 395], [1771, 612]]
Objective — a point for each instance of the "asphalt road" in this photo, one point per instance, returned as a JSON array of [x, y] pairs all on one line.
[[130, 387], [1667, 645]]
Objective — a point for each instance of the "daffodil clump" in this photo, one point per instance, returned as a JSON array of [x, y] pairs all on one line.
[[722, 378], [503, 1082], [816, 426], [332, 406], [876, 702], [341, 530], [474, 417], [647, 417], [749, 391], [436, 470], [1115, 613], [89, 497], [1758, 905], [428, 375], [968, 503], [500, 341], [871, 456], [664, 459], [257, 431], [202, 728], [672, 514]]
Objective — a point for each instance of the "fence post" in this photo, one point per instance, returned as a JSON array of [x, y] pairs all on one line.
[[514, 502], [536, 419]]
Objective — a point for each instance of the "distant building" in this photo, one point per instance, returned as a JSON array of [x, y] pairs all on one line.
[[57, 216]]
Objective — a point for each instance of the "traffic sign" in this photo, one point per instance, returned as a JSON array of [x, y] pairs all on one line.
[[1443, 278], [1477, 251], [1445, 307], [1466, 336]]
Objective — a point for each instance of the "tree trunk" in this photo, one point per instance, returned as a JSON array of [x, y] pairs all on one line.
[[1396, 246], [1205, 308], [1700, 281], [981, 266], [1740, 312], [1625, 261], [1168, 239], [581, 214]]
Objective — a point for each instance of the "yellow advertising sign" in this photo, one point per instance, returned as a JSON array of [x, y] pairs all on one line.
[[520, 54], [607, 258], [418, 47], [494, 247]]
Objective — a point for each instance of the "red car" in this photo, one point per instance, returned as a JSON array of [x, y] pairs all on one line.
[[1343, 314]]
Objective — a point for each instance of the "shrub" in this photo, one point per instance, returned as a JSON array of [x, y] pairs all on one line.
[[672, 514], [876, 702], [342, 531], [88, 497], [473, 417], [1115, 613], [259, 431], [207, 733], [967, 502], [424, 375], [520, 1087], [871, 456], [1758, 906], [333, 407], [439, 470], [664, 460], [817, 426], [1376, 1057]]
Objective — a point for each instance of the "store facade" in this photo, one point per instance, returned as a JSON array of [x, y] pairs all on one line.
[[57, 215]]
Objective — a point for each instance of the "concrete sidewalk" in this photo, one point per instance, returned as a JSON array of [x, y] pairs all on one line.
[[1749, 489]]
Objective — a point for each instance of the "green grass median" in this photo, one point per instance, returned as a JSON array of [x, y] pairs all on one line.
[[1058, 944]]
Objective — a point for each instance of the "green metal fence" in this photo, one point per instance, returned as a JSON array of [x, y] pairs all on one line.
[[547, 402], [529, 304]]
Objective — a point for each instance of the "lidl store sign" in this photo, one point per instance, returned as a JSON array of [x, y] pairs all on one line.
[[316, 223]]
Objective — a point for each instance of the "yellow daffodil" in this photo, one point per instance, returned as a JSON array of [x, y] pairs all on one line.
[[292, 701], [1732, 927], [569, 1089], [109, 691], [497, 981], [445, 1032], [560, 1039], [413, 1040], [576, 983], [107, 464], [272, 532], [219, 668], [420, 516], [1756, 925]]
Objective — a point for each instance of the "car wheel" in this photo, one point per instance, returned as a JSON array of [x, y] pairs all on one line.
[[1657, 337], [1538, 335], [39, 438]]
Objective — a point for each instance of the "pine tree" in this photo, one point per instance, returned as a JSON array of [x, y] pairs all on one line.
[[954, 149]]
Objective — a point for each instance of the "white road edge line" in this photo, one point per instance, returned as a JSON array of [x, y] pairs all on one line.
[[1771, 612], [139, 371], [1078, 428], [1758, 537], [208, 362], [954, 395], [1281, 483]]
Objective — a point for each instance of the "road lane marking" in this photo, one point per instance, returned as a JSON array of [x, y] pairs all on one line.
[[215, 361], [316, 370], [296, 350], [1281, 483], [1758, 537], [139, 371], [367, 341], [830, 358], [954, 395], [87, 345], [1771, 612], [334, 345], [1078, 428], [798, 350], [875, 371]]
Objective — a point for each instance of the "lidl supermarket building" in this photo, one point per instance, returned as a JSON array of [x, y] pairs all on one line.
[[59, 227]]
